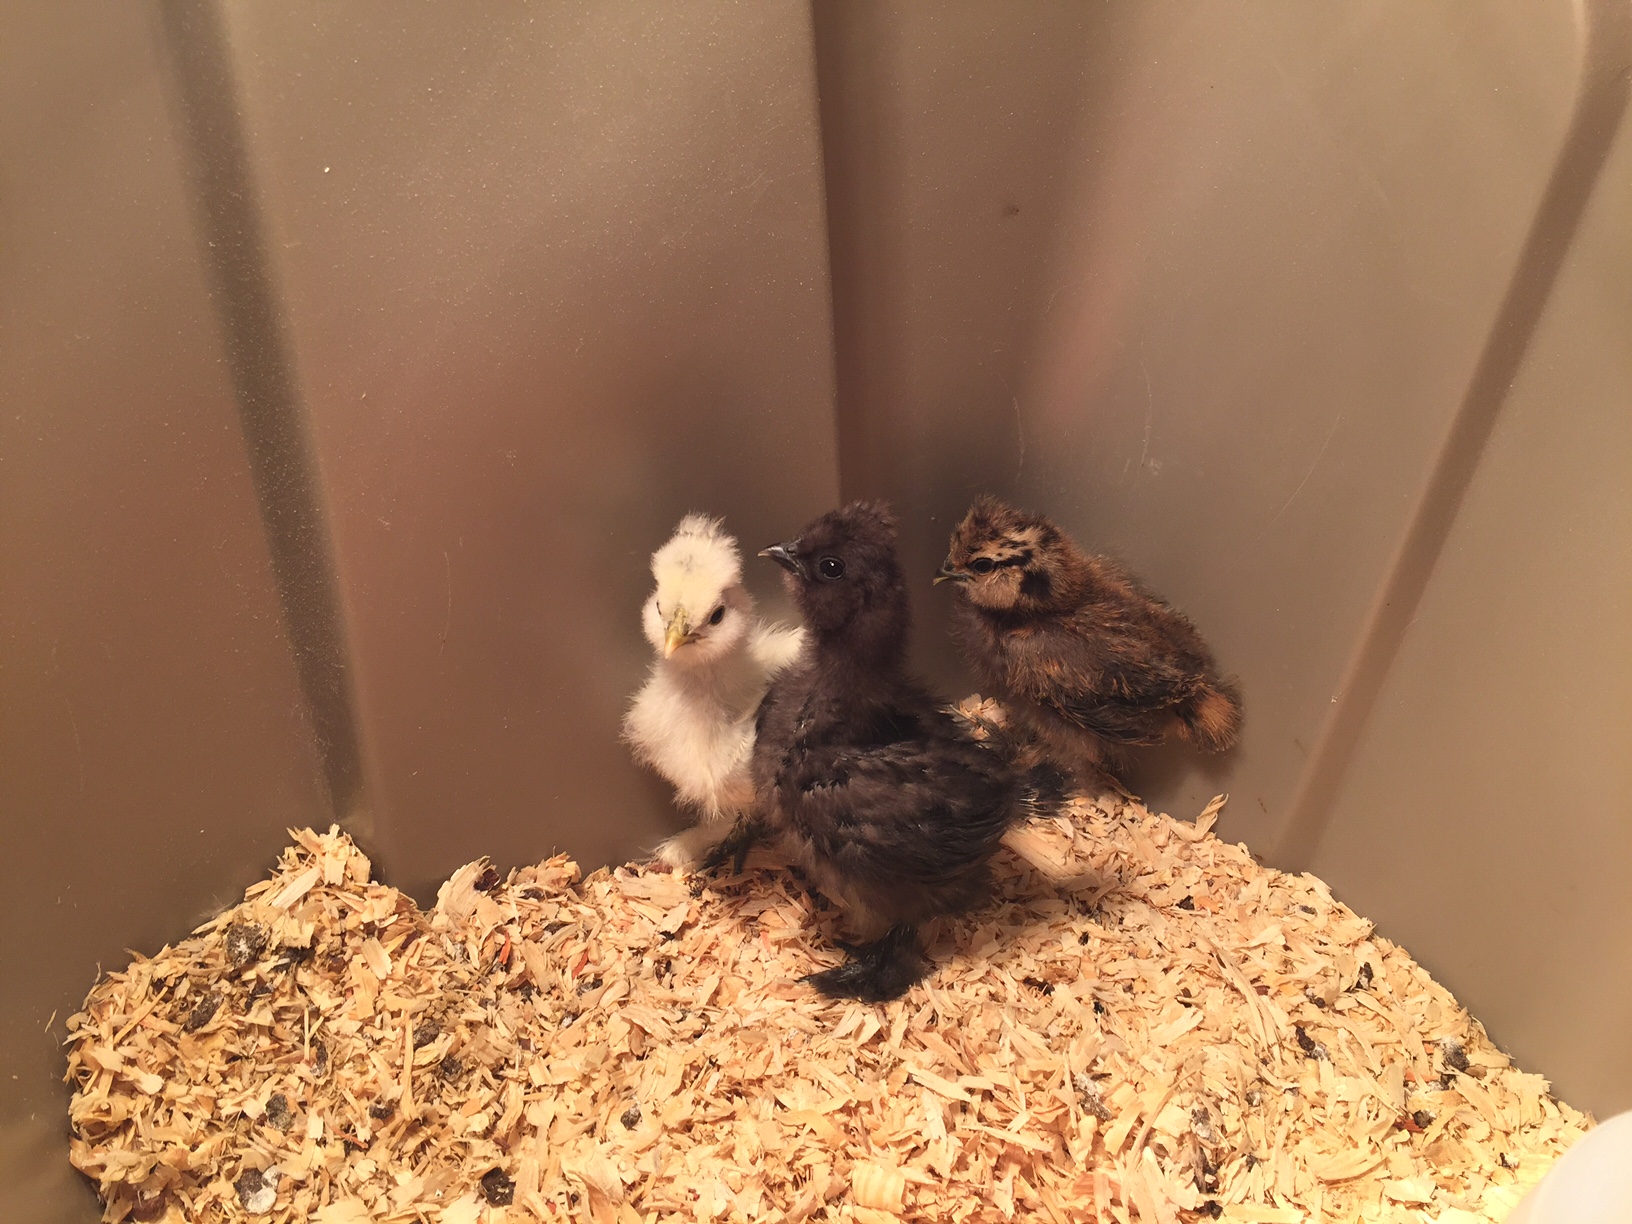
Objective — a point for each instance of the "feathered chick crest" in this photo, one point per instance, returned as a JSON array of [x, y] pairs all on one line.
[[862, 524], [699, 603], [1004, 558], [699, 557]]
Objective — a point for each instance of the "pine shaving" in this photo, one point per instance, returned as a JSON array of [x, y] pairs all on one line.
[[1146, 1026]]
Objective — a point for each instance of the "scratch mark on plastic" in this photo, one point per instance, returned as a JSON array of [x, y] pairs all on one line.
[[1330, 434], [447, 619]]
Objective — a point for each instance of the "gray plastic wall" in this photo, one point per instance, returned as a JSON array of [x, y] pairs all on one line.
[[354, 358]]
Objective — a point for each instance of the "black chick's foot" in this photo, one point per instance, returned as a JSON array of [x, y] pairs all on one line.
[[877, 972], [733, 848]]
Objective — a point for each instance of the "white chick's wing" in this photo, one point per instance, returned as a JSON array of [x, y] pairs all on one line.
[[775, 646]]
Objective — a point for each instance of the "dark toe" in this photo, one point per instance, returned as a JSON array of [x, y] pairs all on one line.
[[734, 847], [851, 980], [877, 972]]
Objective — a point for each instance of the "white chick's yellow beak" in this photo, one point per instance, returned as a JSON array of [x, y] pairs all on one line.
[[678, 633]]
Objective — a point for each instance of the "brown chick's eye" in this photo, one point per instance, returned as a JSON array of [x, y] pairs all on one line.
[[719, 615], [830, 568], [983, 565]]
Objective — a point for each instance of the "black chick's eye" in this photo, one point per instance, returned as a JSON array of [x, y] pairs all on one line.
[[719, 615], [983, 565], [830, 568]]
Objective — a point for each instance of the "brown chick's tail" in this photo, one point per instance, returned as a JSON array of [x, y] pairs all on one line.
[[877, 972], [1212, 720]]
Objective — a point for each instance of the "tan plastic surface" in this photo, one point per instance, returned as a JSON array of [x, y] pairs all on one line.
[[1486, 818], [352, 362], [152, 742], [524, 286], [1239, 295], [1208, 290], [554, 276]]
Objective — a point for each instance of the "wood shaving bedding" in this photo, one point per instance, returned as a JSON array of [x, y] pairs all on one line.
[[1144, 1025]]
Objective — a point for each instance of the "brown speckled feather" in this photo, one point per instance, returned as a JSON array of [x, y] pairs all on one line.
[[1088, 659]]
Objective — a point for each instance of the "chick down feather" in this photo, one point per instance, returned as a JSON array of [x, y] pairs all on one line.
[[1084, 656], [693, 720], [868, 785]]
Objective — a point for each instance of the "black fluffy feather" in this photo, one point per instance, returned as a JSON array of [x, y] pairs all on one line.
[[870, 786]]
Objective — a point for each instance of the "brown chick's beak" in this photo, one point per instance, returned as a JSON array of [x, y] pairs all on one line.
[[679, 633], [787, 557], [948, 574]]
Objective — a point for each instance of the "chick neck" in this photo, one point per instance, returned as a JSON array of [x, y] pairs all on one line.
[[732, 682], [865, 654]]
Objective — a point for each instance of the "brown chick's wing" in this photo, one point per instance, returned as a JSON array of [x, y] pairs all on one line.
[[1105, 677]]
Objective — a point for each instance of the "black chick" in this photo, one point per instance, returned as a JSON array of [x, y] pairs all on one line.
[[1085, 658], [866, 782]]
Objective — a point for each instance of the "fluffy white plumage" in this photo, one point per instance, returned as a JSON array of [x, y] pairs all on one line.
[[693, 720]]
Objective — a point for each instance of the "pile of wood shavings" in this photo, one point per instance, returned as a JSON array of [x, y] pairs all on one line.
[[1145, 1025]]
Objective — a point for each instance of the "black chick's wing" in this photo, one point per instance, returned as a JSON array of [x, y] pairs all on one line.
[[911, 803]]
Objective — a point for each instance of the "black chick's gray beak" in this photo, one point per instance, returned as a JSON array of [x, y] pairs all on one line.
[[787, 556], [948, 574]]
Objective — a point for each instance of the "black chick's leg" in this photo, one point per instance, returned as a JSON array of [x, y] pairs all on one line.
[[744, 836], [877, 972]]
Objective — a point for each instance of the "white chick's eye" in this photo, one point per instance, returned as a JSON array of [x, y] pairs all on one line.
[[830, 568], [719, 615], [983, 565]]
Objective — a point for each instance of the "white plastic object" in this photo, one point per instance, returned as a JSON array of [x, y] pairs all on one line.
[[1590, 1184]]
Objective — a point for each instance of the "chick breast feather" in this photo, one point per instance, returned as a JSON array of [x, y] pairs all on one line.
[[866, 782], [693, 720], [1082, 654]]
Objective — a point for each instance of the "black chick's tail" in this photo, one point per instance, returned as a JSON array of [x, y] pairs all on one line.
[[1044, 790], [877, 972]]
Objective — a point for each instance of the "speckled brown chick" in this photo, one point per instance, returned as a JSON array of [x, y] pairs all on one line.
[[1086, 659], [865, 780]]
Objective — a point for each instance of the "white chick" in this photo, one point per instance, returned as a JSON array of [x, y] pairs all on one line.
[[693, 721]]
